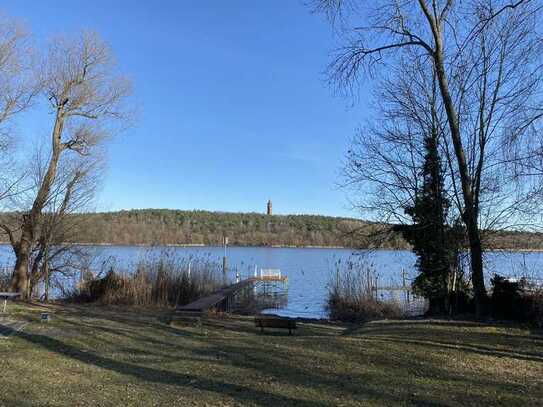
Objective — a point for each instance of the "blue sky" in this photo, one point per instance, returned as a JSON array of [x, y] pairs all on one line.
[[234, 108]]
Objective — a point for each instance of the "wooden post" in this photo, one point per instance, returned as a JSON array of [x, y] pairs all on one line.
[[225, 260], [404, 278]]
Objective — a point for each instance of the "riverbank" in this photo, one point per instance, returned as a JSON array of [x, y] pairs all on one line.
[[98, 356]]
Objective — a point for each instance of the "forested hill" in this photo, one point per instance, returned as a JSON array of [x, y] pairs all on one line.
[[177, 227], [161, 226]]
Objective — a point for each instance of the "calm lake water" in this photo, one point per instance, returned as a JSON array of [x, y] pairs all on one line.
[[308, 269]]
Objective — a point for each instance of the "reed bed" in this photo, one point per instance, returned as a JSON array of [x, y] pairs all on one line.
[[164, 282], [352, 294]]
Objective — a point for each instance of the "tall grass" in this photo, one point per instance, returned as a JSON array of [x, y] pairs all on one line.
[[163, 281], [352, 294]]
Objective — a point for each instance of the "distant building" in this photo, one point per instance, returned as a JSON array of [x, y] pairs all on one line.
[[269, 211]]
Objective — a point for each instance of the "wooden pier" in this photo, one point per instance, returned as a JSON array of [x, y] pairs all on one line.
[[223, 299]]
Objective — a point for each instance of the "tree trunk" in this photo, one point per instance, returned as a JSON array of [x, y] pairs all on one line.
[[470, 214], [19, 281], [477, 276]]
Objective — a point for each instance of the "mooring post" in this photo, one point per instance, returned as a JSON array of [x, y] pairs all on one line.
[[225, 260], [405, 285], [224, 265]]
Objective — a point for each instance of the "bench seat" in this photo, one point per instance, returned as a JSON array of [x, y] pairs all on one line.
[[262, 322]]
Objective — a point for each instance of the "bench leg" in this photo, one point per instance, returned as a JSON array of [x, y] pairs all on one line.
[[5, 305]]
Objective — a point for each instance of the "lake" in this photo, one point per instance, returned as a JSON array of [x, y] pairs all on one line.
[[309, 269]]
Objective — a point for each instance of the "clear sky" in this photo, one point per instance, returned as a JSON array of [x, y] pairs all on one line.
[[234, 108]]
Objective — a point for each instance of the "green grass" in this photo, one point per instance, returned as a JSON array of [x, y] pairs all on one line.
[[97, 356]]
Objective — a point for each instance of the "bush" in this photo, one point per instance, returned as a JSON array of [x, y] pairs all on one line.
[[351, 295], [461, 302], [533, 305], [506, 298], [517, 300]]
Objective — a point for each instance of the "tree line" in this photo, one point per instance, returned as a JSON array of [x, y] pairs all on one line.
[[162, 227], [178, 227]]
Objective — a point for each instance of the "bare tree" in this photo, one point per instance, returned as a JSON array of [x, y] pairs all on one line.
[[384, 162], [59, 229], [17, 88], [486, 59], [86, 97]]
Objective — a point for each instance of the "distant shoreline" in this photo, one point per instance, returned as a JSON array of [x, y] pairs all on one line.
[[189, 245], [208, 245]]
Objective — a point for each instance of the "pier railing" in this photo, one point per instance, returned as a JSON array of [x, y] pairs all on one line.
[[271, 275]]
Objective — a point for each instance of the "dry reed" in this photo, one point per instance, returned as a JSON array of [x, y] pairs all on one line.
[[159, 282], [352, 294]]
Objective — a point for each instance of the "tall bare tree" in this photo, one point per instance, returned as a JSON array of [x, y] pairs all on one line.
[[486, 58], [86, 96], [56, 251], [17, 88]]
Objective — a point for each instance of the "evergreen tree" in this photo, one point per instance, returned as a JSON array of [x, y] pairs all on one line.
[[431, 238]]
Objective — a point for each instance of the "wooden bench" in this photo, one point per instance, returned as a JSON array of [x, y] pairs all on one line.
[[7, 296], [262, 322]]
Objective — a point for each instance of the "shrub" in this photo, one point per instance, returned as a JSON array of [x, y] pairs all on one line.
[[533, 304], [506, 297], [517, 300]]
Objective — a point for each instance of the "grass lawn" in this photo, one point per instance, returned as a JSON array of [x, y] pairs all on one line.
[[98, 356]]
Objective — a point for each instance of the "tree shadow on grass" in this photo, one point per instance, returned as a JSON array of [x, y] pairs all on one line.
[[247, 326], [286, 363], [465, 347], [152, 375], [388, 380], [341, 385], [18, 402], [499, 344]]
